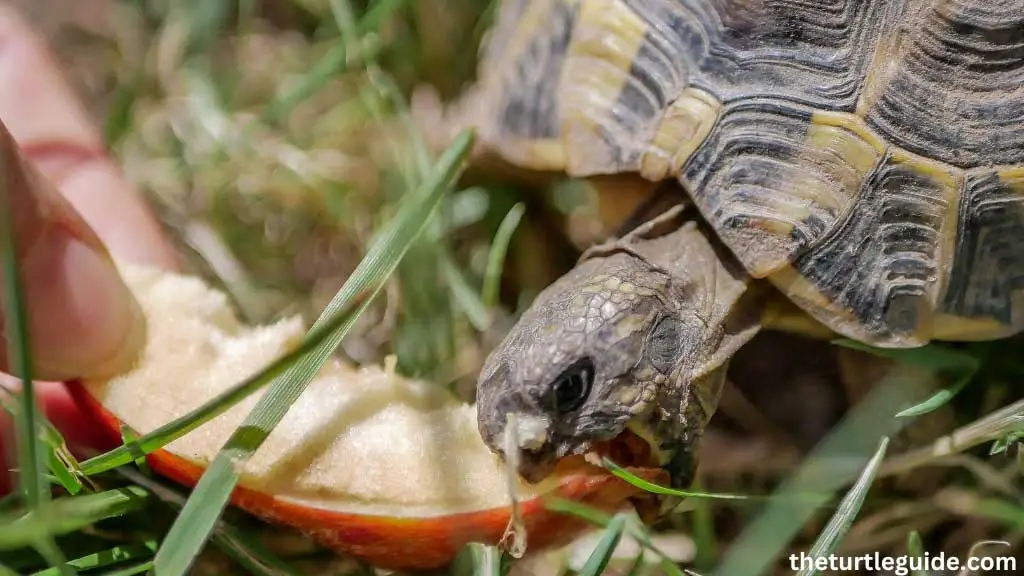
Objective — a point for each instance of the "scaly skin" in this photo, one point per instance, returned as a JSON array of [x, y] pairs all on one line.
[[644, 326]]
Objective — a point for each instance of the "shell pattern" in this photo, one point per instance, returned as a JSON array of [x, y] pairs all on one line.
[[864, 156]]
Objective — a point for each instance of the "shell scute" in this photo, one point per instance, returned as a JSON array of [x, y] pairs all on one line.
[[866, 156]]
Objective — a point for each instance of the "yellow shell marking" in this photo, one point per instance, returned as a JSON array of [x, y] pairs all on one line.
[[682, 129], [846, 137], [607, 39], [541, 155]]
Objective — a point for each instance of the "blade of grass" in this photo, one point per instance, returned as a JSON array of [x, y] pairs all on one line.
[[61, 463], [191, 529], [985, 429], [53, 555], [478, 560], [658, 489], [933, 356], [345, 19], [331, 64], [1003, 444], [598, 560], [915, 547], [703, 522], [131, 570], [836, 461], [248, 553], [496, 256], [939, 399], [600, 518], [204, 19], [67, 515], [588, 513], [9, 502], [464, 295], [19, 351], [32, 455], [104, 558], [1002, 511], [839, 524], [378, 12], [636, 568]]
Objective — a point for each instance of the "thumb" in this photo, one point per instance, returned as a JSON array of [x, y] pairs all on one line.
[[82, 319]]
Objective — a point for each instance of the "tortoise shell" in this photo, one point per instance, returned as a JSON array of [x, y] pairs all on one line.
[[864, 156]]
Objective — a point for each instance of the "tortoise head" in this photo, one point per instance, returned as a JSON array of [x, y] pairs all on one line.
[[638, 333]]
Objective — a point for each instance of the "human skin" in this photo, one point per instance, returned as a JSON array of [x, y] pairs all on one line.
[[72, 212]]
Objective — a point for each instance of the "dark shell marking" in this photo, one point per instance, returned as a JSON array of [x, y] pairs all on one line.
[[863, 155]]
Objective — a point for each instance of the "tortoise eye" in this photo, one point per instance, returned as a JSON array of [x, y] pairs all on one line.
[[573, 385]]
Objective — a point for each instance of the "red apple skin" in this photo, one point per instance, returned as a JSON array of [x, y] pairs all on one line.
[[409, 543]]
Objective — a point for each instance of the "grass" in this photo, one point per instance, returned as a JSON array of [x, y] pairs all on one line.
[[274, 139]]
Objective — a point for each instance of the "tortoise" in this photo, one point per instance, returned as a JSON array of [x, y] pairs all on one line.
[[861, 159]]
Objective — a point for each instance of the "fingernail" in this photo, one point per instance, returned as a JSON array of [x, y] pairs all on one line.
[[84, 320]]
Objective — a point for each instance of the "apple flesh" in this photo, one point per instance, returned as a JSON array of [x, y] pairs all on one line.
[[377, 466]]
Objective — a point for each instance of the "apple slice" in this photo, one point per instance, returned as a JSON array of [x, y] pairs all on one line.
[[383, 468]]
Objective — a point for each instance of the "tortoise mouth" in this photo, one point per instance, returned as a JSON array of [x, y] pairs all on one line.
[[628, 450], [631, 451]]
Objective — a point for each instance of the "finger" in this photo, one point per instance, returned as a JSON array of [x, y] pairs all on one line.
[[45, 117], [83, 321]]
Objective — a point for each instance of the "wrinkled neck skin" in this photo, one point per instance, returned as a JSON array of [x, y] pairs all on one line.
[[656, 320]]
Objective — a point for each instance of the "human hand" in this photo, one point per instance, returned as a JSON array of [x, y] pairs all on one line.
[[70, 204]]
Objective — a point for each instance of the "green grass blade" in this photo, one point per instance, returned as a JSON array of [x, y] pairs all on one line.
[[1003, 444], [344, 18], [67, 515], [131, 570], [104, 558], [19, 352], [600, 518], [204, 20], [191, 529], [915, 548], [658, 489], [463, 294], [477, 559], [53, 555], [61, 463], [933, 356], [839, 524], [379, 12], [64, 477], [330, 65], [837, 460], [578, 509], [119, 117], [1007, 513], [939, 399], [496, 256], [636, 568], [602, 554], [703, 529], [245, 551]]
